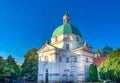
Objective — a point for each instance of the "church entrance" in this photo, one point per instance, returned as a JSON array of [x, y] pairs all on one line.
[[46, 76]]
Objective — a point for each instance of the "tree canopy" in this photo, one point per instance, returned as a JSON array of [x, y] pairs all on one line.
[[110, 69], [30, 65], [2, 66], [107, 50], [98, 53], [103, 52], [8, 67], [93, 73]]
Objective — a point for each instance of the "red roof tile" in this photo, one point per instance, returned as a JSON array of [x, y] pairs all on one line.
[[98, 61]]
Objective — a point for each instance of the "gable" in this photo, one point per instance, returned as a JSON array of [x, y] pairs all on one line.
[[46, 47], [87, 49]]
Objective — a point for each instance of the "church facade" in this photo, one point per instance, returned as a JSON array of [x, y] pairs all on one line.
[[66, 58]]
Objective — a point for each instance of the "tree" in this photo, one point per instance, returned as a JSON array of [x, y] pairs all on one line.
[[2, 64], [5, 69], [106, 50], [12, 65], [93, 72], [110, 69], [98, 53], [30, 65], [103, 52]]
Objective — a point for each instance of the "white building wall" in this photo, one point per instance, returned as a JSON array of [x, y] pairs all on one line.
[[76, 71], [56, 67], [64, 39]]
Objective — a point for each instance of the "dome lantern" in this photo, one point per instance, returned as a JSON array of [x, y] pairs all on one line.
[[66, 18]]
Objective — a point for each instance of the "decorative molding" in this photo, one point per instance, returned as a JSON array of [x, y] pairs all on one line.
[[80, 74], [56, 42], [71, 74], [52, 53], [54, 74], [73, 66], [40, 74], [87, 56], [64, 75], [47, 50]]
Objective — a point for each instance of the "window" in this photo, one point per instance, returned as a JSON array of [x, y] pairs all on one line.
[[86, 59], [77, 38], [46, 71], [67, 59], [60, 59], [56, 39], [72, 59], [68, 20], [67, 46], [75, 59]]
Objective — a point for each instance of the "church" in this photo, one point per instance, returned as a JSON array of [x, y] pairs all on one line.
[[66, 58]]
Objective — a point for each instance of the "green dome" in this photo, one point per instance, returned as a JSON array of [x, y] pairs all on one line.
[[66, 29]]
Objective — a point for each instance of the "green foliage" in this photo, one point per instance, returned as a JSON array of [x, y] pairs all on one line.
[[30, 65], [8, 67], [98, 53], [93, 72], [106, 50], [2, 66], [12, 65], [103, 52], [28, 69], [110, 69]]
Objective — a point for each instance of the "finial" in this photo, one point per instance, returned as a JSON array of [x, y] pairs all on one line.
[[66, 17], [46, 42], [85, 44], [66, 11]]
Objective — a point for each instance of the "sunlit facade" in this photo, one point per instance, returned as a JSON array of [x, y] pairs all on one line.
[[66, 58]]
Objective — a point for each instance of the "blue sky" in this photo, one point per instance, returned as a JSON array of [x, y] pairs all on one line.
[[26, 24]]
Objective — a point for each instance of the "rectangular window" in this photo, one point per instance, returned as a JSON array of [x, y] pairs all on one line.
[[67, 59], [86, 59], [72, 59], [77, 38], [60, 59], [55, 39], [67, 46], [75, 59]]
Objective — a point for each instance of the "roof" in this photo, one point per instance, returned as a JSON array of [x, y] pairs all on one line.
[[66, 29], [98, 61]]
